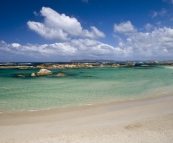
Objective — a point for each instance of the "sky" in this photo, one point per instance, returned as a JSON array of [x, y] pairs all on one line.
[[64, 30]]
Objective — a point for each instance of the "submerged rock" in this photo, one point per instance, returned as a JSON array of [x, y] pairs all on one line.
[[144, 65], [43, 72], [20, 75], [33, 74], [60, 75]]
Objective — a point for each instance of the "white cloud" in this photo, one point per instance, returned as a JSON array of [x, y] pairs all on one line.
[[146, 45], [159, 23], [154, 44], [94, 31], [129, 39], [124, 27], [61, 27], [74, 49], [149, 26], [47, 32], [159, 13], [16, 45]]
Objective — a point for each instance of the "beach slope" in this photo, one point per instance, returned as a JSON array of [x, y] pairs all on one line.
[[137, 121]]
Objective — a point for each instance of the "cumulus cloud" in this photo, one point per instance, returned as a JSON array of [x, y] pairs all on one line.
[[154, 44], [124, 27], [157, 43], [78, 48], [61, 27], [15, 45]]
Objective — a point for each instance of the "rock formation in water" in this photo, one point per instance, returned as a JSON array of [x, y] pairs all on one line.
[[33, 74], [43, 72], [20, 75], [115, 65], [60, 75], [62, 66]]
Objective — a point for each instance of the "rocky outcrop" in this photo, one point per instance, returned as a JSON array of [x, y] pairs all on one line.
[[33, 74], [62, 66], [101, 66], [130, 64], [60, 75], [43, 72], [115, 65]]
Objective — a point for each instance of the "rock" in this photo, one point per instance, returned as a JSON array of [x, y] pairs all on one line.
[[20, 75], [130, 64], [33, 74], [23, 67], [89, 66], [43, 72], [115, 65], [60, 75], [101, 66], [144, 65]]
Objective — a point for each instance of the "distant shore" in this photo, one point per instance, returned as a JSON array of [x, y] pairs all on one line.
[[85, 64], [142, 120]]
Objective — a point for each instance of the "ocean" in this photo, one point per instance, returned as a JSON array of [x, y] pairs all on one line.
[[81, 87]]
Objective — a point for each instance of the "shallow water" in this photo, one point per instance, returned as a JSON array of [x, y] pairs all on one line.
[[80, 86]]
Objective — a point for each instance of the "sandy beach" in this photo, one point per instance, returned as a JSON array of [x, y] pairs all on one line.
[[134, 121]]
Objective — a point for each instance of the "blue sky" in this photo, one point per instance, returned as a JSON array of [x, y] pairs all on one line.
[[51, 30]]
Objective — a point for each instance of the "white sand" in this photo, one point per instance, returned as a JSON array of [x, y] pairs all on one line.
[[139, 121]]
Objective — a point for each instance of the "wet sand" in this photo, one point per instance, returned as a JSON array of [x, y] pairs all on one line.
[[134, 121]]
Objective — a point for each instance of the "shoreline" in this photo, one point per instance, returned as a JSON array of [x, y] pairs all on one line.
[[51, 125], [95, 103]]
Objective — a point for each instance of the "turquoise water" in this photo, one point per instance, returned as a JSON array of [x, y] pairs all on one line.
[[80, 86]]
